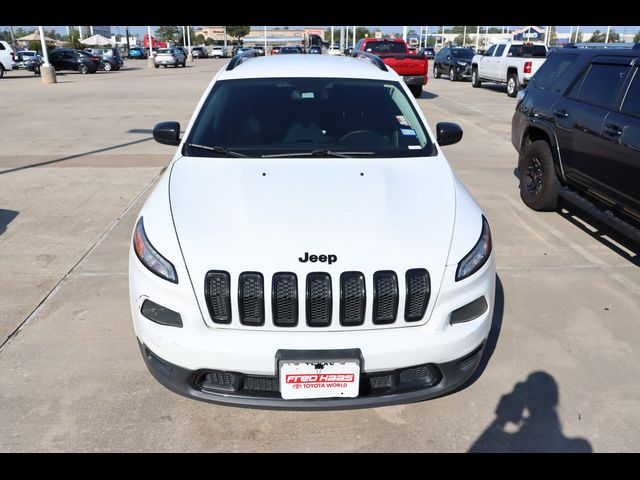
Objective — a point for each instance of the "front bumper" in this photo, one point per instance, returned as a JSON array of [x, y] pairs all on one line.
[[383, 388], [463, 71]]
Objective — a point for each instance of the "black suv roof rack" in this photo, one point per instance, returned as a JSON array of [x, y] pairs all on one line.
[[241, 57], [376, 60], [629, 46]]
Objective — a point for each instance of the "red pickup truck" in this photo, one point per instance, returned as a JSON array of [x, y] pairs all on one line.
[[395, 54]]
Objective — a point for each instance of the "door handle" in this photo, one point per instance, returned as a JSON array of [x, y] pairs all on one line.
[[561, 113], [612, 130]]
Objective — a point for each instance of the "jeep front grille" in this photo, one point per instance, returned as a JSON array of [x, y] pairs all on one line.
[[321, 296]]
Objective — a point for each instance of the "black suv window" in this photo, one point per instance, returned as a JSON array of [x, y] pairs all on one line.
[[600, 84], [631, 103], [552, 70]]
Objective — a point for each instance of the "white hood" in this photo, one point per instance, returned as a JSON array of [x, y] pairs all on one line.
[[261, 215]]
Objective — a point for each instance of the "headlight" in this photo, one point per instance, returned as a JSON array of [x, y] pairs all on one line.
[[478, 255], [150, 257], [463, 64]]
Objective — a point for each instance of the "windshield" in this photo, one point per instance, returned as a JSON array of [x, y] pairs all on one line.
[[385, 47], [462, 53], [266, 116]]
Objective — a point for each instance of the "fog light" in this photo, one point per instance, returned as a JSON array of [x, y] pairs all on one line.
[[159, 314], [469, 312]]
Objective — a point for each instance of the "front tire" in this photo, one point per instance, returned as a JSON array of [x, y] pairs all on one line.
[[436, 73], [83, 69], [452, 74], [475, 78], [539, 184], [513, 85], [416, 90]]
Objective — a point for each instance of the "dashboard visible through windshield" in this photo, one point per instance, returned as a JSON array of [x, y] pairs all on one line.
[[288, 116]]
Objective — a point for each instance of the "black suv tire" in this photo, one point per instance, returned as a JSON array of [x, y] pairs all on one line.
[[83, 69], [436, 72], [539, 184], [416, 90]]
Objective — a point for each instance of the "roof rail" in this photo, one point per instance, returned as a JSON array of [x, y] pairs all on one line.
[[376, 60], [241, 57], [633, 46]]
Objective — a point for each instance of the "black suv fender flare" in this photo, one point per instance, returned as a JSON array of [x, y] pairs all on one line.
[[539, 130]]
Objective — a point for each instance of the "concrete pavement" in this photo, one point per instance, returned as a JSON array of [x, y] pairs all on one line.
[[560, 364]]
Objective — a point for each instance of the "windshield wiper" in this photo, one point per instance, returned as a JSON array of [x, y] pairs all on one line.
[[319, 153], [222, 150]]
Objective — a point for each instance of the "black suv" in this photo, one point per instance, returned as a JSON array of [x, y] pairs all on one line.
[[577, 130], [78, 60], [454, 62]]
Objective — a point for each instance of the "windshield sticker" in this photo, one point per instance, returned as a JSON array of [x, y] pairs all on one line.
[[408, 131], [403, 121], [308, 95], [414, 147]]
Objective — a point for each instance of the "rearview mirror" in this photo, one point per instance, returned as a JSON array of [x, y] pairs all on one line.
[[167, 133], [448, 133]]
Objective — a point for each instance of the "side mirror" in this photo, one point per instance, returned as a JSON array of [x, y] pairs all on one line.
[[167, 133], [448, 133]]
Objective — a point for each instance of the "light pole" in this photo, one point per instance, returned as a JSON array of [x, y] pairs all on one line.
[[189, 57], [332, 36], [150, 61], [606, 40], [47, 72], [225, 41], [477, 36], [570, 33], [184, 37], [354, 36], [404, 33], [265, 39], [577, 31], [464, 37]]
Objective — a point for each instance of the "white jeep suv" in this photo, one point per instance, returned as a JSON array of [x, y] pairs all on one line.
[[309, 245], [7, 58]]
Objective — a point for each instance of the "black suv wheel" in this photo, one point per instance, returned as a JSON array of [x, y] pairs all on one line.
[[539, 183]]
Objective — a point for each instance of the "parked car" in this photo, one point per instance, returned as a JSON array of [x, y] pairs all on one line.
[[137, 52], [315, 50], [76, 60], [218, 51], [110, 57], [23, 58], [240, 49], [577, 131], [199, 52], [412, 68], [513, 63], [289, 50], [334, 50], [348, 50], [7, 58], [454, 62], [393, 304], [259, 49], [428, 53], [170, 56], [275, 50]]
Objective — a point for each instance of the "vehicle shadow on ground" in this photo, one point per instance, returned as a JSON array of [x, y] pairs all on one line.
[[70, 157], [427, 95], [495, 87], [607, 236], [527, 421], [6, 217]]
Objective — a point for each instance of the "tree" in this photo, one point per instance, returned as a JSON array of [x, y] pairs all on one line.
[[613, 36], [553, 35], [74, 40], [636, 39], [461, 41], [208, 42], [238, 31], [168, 33], [361, 32], [578, 38], [597, 37], [199, 39]]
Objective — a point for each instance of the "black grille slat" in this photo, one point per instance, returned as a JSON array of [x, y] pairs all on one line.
[[216, 292], [319, 299], [251, 298], [284, 299], [418, 292], [353, 298], [385, 297]]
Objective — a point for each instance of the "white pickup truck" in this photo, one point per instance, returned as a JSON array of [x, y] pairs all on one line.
[[7, 58], [513, 63]]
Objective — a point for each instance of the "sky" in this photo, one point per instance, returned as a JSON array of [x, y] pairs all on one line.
[[141, 30]]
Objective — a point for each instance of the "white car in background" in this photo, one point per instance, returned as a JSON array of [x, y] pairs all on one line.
[[218, 52], [334, 50], [309, 246], [7, 58]]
